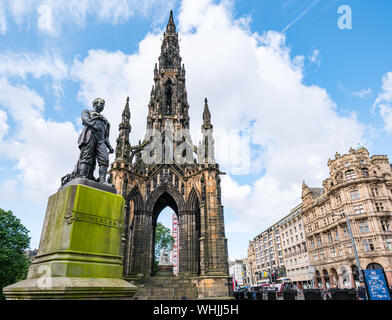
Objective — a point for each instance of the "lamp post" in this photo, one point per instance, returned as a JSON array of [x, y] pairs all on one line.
[[353, 243]]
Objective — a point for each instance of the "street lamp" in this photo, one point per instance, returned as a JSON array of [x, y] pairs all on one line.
[[353, 243]]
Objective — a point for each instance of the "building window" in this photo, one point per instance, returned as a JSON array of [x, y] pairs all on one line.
[[379, 206], [368, 245], [363, 227], [330, 239], [374, 192], [336, 234], [312, 242], [354, 194], [365, 172], [322, 254], [345, 231], [338, 200], [389, 243], [340, 250], [358, 209], [349, 248], [315, 256], [333, 252], [385, 225], [350, 174], [319, 240], [300, 226]]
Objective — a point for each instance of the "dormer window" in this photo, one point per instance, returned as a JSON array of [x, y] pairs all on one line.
[[350, 174]]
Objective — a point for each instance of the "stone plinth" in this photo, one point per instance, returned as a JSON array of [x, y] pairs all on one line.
[[79, 252], [165, 271], [214, 287]]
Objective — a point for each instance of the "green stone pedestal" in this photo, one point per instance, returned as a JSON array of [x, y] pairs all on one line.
[[79, 253]]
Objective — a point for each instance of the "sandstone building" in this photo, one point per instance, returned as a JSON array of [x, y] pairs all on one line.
[[315, 233], [361, 187], [295, 251]]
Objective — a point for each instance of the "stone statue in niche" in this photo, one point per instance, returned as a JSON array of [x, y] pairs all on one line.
[[164, 259], [94, 145]]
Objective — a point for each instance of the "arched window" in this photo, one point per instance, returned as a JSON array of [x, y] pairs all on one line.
[[373, 266], [350, 174]]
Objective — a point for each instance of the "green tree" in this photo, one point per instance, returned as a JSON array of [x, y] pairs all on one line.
[[163, 240], [14, 239]]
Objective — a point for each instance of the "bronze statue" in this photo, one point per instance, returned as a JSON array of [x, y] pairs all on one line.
[[93, 143]]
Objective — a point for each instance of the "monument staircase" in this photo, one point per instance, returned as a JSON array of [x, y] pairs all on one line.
[[165, 288]]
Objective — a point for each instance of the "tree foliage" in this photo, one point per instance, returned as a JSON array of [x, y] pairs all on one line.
[[14, 240], [163, 240]]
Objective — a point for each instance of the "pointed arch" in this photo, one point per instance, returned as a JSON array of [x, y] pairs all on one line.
[[194, 200], [172, 193], [136, 196]]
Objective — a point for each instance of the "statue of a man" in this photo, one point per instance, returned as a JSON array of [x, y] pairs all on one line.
[[93, 143]]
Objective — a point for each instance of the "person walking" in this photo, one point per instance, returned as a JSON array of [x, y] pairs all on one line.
[[361, 292]]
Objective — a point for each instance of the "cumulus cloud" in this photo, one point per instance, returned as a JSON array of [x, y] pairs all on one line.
[[3, 19], [383, 102], [21, 64], [40, 147], [51, 15], [3, 124]]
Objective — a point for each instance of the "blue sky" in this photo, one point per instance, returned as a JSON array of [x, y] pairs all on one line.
[[282, 69]]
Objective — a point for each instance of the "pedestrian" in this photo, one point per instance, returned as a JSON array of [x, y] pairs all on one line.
[[361, 292]]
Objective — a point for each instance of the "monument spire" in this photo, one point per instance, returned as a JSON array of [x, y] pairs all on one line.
[[168, 99], [171, 27], [206, 149], [206, 117], [122, 144]]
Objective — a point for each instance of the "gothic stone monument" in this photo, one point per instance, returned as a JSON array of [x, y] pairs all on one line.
[[79, 255], [162, 171]]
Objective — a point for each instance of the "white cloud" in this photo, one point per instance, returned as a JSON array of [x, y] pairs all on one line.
[[8, 189], [21, 64], [383, 102], [3, 19], [40, 147], [3, 124], [362, 93], [315, 57], [51, 15]]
